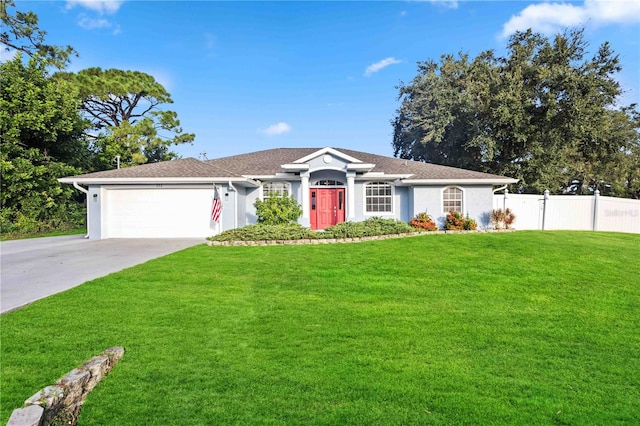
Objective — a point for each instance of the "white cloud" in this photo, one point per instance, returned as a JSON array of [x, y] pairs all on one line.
[[277, 129], [451, 4], [91, 24], [611, 11], [373, 68], [88, 23], [102, 6], [548, 18]]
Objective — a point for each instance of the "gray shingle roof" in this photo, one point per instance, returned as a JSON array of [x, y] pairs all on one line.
[[420, 170], [265, 162], [270, 161], [187, 167]]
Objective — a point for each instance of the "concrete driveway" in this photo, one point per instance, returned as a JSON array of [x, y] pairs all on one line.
[[33, 269]]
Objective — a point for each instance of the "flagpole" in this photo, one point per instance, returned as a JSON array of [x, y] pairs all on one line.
[[216, 208]]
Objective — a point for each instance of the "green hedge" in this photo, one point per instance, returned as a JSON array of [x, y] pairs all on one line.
[[261, 232]]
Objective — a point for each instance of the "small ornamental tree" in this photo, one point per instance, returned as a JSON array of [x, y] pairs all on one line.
[[277, 210], [423, 221], [470, 224], [454, 221], [502, 218]]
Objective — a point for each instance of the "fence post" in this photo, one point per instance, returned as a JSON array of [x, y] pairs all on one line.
[[544, 207], [504, 200], [596, 200]]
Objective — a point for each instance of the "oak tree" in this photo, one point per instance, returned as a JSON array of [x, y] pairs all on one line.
[[545, 113]]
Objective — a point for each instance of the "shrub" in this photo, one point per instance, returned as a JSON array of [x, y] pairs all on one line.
[[379, 226], [293, 231], [509, 218], [454, 221], [368, 228], [264, 232], [470, 224], [422, 221], [502, 218], [277, 210], [497, 218]]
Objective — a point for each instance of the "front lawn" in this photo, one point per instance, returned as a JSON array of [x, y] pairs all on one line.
[[489, 328]]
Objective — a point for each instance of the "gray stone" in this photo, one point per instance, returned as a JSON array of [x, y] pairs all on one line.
[[27, 416], [75, 378], [47, 397], [114, 353], [97, 366]]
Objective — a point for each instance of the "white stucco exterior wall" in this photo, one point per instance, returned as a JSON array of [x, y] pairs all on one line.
[[477, 201]]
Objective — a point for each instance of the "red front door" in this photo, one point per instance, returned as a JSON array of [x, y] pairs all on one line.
[[327, 207]]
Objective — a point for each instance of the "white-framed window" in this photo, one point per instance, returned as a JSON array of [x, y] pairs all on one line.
[[280, 188], [378, 197], [452, 199]]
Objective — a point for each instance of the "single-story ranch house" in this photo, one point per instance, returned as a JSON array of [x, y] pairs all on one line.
[[332, 185]]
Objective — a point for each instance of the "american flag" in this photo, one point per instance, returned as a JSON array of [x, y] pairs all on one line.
[[216, 209]]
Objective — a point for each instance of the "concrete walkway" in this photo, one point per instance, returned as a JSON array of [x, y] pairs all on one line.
[[33, 269]]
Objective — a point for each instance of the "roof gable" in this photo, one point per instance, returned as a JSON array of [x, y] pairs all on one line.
[[327, 151]]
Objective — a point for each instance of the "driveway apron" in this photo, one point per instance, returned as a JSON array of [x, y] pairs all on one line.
[[33, 269]]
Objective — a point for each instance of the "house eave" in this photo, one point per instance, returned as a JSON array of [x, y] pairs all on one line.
[[295, 167], [360, 167], [382, 176], [157, 180], [489, 181]]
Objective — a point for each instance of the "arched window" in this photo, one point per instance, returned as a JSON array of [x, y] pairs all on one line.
[[280, 188], [452, 199], [378, 197], [327, 182]]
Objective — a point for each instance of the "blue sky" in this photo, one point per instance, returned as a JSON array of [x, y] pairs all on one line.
[[246, 76]]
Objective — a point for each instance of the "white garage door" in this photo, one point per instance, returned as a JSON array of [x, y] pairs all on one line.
[[158, 213]]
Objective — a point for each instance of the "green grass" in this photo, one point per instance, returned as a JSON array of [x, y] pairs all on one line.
[[504, 328], [6, 237]]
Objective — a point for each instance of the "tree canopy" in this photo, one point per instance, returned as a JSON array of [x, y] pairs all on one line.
[[20, 31], [41, 141], [56, 125], [124, 108], [544, 114]]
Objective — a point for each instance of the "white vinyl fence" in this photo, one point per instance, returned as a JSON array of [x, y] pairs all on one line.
[[571, 212]]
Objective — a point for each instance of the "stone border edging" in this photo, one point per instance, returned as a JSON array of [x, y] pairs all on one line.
[[62, 402], [344, 240]]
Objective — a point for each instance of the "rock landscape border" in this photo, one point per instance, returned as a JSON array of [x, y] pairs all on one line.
[[307, 241], [62, 402]]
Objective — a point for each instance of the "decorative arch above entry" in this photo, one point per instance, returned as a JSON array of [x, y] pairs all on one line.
[[327, 182]]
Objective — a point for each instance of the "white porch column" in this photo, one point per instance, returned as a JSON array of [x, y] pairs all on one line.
[[351, 195], [304, 188]]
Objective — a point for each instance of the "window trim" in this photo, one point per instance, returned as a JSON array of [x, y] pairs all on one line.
[[392, 196], [286, 186], [462, 198], [336, 184]]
